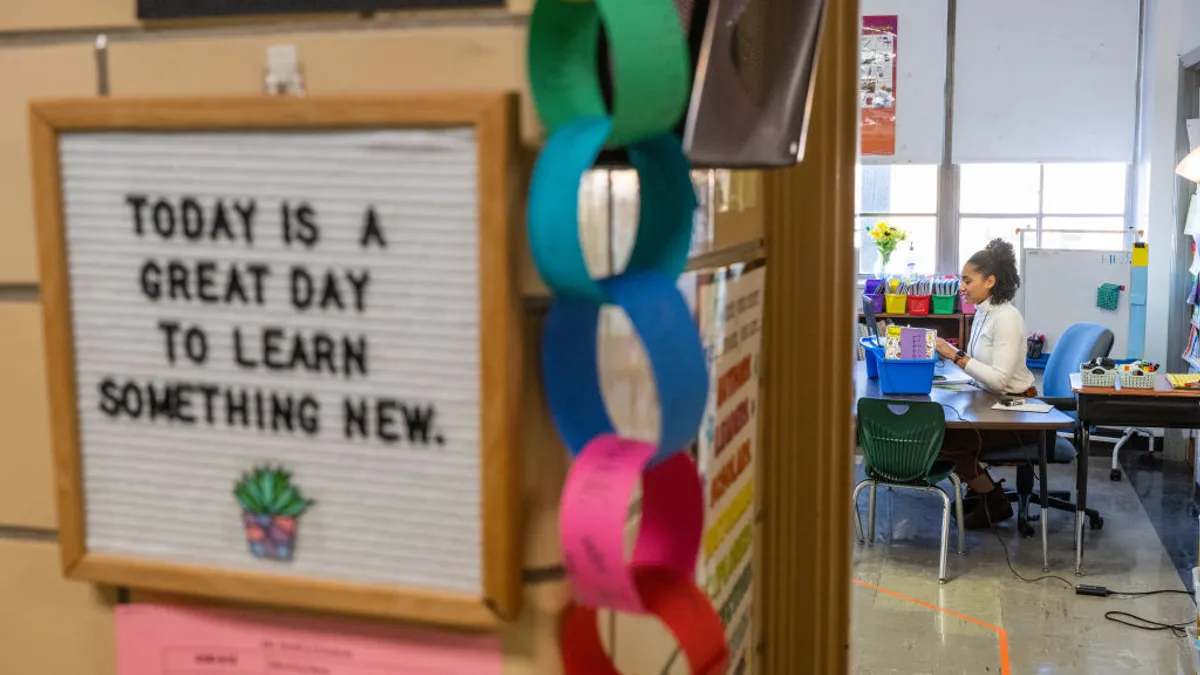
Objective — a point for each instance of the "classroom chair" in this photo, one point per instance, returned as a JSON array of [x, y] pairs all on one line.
[[1080, 343], [900, 443], [1057, 386]]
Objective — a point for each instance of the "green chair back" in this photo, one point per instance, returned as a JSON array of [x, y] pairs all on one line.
[[900, 439]]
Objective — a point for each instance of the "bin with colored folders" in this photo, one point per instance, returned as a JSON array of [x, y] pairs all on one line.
[[967, 307], [896, 304], [876, 302], [944, 304], [905, 377], [918, 305]]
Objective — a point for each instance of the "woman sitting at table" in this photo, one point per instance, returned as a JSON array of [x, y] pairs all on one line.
[[995, 358]]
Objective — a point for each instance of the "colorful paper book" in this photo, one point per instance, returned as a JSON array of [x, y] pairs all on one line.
[[910, 343], [1185, 381]]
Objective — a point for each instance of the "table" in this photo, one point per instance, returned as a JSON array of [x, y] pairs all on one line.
[[971, 408], [1161, 407]]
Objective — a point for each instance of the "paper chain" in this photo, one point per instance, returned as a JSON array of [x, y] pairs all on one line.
[[651, 82]]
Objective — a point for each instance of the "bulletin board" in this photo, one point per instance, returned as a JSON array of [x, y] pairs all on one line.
[[283, 345], [731, 301]]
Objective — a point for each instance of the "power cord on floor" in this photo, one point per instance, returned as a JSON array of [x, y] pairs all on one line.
[[1179, 630]]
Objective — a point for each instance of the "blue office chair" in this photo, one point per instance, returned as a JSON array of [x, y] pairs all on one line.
[[1078, 344]]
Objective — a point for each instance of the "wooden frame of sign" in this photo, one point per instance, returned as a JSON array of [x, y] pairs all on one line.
[[491, 119]]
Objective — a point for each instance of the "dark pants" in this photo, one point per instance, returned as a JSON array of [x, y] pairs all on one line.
[[964, 447]]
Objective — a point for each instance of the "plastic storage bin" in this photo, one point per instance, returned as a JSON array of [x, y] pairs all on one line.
[[944, 304], [872, 286], [918, 305], [1107, 380], [967, 307], [874, 354], [896, 304], [876, 301], [903, 377]]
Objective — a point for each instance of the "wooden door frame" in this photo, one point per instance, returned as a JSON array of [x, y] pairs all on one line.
[[807, 376]]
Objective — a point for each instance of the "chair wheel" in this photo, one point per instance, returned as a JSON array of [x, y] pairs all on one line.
[[1096, 523], [1115, 475], [1026, 530]]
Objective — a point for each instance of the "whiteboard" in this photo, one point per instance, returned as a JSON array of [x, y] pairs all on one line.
[[277, 352], [1058, 288]]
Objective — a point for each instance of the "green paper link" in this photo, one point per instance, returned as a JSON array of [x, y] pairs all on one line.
[[650, 63]]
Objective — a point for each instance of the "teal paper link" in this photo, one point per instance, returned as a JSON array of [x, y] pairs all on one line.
[[666, 213]]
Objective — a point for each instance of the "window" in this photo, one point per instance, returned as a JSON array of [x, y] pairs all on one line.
[[1078, 206], [907, 197]]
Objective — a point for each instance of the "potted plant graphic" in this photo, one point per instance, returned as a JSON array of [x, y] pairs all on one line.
[[271, 507]]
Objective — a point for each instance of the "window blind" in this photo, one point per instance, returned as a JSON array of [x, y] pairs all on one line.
[[1038, 81]]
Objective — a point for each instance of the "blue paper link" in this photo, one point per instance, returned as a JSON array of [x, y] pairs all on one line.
[[570, 368], [666, 213]]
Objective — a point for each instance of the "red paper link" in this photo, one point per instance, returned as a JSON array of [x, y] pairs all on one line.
[[674, 599]]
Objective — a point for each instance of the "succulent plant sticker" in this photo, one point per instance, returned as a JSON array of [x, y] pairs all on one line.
[[271, 508]]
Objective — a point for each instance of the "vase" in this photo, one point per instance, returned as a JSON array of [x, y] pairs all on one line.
[[881, 263]]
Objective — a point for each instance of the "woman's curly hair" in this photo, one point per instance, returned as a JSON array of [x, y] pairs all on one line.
[[999, 260]]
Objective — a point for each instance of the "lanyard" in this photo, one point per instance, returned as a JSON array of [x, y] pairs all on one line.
[[977, 329]]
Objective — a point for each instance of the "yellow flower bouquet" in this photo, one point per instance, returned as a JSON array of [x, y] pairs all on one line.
[[886, 236]]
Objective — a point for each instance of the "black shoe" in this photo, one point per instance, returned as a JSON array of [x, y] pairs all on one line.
[[992, 509], [971, 498]]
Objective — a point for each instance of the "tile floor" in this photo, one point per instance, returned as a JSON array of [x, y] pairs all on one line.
[[1043, 627]]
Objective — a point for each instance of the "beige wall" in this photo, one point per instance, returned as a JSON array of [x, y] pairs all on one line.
[[67, 14], [26, 485], [28, 73], [48, 625]]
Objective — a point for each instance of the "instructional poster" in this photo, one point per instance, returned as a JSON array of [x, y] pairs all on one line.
[[877, 85], [731, 319]]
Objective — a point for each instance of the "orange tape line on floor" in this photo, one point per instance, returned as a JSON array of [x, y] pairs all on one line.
[[1001, 634]]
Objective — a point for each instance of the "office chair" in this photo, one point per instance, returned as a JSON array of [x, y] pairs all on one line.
[[900, 443], [1081, 342], [1130, 432], [1061, 390]]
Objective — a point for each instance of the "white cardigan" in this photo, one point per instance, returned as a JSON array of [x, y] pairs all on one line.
[[997, 349]]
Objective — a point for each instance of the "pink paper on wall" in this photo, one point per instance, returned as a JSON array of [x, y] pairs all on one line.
[[164, 640]]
